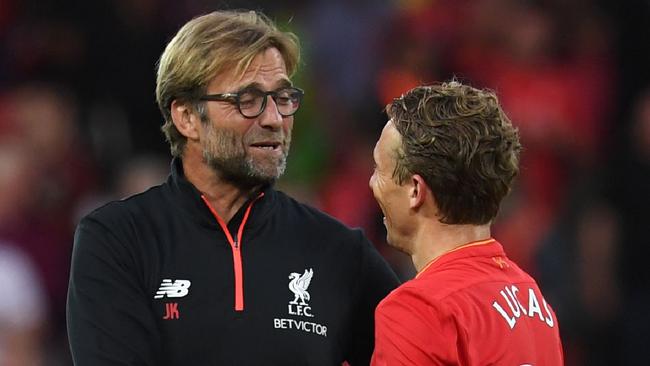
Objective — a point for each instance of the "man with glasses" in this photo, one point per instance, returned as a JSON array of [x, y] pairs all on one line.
[[215, 267]]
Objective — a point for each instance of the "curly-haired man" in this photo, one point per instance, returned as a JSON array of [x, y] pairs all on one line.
[[444, 162]]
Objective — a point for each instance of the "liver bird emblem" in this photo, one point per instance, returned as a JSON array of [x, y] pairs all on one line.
[[299, 284]]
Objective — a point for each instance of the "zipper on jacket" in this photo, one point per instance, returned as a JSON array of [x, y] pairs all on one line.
[[235, 246]]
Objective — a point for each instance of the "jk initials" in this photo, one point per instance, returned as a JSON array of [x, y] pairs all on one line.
[[171, 311]]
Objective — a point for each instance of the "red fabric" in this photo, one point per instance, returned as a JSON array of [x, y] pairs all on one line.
[[448, 315]]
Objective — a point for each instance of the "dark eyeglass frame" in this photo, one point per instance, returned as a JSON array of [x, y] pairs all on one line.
[[235, 99]]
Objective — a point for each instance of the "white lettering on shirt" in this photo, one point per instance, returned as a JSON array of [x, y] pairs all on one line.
[[549, 317], [533, 304], [302, 325], [516, 308], [511, 321]]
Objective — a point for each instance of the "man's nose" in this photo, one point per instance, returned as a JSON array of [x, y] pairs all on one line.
[[271, 117]]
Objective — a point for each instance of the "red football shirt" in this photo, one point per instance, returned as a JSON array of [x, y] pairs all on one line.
[[470, 306]]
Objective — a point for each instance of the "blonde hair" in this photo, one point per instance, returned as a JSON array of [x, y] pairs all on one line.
[[211, 44]]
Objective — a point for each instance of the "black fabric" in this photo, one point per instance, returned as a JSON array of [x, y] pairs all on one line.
[[124, 250]]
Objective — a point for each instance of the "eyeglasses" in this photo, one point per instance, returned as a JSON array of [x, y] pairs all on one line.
[[251, 102]]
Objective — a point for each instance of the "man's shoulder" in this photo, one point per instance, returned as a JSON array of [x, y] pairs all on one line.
[[454, 276], [418, 291], [435, 285], [312, 217], [410, 297], [462, 279], [438, 291], [128, 208]]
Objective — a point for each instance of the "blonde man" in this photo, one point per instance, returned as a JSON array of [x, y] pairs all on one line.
[[444, 162], [215, 267]]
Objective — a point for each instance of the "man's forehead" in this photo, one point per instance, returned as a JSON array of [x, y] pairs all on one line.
[[266, 70], [388, 142], [390, 136]]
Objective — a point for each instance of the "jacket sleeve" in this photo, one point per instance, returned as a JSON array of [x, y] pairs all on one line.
[[108, 314], [376, 280], [410, 331]]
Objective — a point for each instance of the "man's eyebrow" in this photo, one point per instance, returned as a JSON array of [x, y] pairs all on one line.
[[282, 83], [252, 85]]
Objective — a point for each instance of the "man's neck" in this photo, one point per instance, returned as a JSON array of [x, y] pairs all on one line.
[[225, 197], [435, 239]]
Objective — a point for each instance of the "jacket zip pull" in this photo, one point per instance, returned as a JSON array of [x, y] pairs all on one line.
[[234, 242]]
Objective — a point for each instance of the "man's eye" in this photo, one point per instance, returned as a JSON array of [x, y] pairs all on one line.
[[283, 100], [248, 99]]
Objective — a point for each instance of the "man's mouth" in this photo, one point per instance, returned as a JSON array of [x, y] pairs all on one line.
[[267, 145]]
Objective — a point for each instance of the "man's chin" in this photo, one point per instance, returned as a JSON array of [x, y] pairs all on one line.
[[261, 180], [395, 244], [248, 173], [267, 171], [257, 177]]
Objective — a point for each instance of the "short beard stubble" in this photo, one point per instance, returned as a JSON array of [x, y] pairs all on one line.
[[225, 152]]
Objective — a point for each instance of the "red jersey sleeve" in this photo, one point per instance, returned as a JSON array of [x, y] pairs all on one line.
[[410, 330]]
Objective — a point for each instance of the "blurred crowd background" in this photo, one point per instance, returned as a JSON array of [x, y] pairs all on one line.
[[79, 127]]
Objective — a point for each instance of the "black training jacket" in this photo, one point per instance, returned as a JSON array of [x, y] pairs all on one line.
[[155, 280]]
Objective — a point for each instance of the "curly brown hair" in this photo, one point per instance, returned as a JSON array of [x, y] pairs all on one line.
[[462, 144]]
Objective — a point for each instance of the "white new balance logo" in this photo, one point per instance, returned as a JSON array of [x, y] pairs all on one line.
[[178, 288]]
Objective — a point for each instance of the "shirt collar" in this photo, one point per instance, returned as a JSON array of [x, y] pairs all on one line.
[[188, 199], [482, 248]]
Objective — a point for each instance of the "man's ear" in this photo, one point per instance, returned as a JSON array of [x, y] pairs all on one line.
[[185, 120], [418, 191]]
